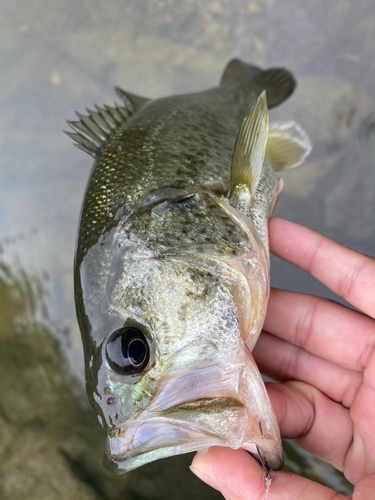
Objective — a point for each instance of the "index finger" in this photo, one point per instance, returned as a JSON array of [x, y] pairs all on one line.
[[346, 272]]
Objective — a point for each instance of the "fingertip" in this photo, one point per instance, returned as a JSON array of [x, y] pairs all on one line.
[[278, 231], [273, 219], [235, 473], [275, 222], [279, 399], [278, 222], [292, 403], [198, 467]]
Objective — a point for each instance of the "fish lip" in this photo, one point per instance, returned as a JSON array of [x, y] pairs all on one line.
[[205, 404], [135, 456], [208, 404]]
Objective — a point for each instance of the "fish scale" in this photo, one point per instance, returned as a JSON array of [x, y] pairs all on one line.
[[147, 155]]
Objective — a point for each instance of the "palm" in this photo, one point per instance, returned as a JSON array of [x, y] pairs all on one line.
[[324, 355]]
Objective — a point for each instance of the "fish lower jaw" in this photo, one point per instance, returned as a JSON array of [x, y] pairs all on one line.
[[188, 427], [121, 463], [123, 455]]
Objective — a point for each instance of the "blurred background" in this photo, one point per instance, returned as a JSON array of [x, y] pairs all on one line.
[[58, 56]]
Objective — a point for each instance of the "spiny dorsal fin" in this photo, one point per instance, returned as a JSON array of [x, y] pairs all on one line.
[[279, 83], [92, 131], [288, 145], [248, 154], [135, 102]]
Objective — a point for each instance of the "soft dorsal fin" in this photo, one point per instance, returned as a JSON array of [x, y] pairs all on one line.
[[131, 100], [248, 154], [279, 83], [92, 131], [288, 145]]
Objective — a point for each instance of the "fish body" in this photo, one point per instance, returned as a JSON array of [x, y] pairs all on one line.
[[172, 270]]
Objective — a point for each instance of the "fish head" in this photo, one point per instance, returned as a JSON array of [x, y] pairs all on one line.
[[168, 345]]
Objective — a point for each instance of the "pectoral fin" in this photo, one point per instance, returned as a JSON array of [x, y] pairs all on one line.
[[249, 150], [287, 145]]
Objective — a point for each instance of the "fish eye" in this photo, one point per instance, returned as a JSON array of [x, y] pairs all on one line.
[[127, 351]]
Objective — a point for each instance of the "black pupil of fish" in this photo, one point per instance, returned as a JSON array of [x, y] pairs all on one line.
[[127, 351], [134, 351]]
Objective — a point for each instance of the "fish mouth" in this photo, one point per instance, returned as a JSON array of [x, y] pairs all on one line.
[[190, 426], [203, 399]]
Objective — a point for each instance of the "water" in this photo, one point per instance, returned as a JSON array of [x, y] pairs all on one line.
[[58, 56]]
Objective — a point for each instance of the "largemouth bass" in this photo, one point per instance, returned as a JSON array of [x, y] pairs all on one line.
[[172, 265]]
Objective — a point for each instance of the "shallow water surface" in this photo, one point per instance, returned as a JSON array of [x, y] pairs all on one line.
[[58, 56]]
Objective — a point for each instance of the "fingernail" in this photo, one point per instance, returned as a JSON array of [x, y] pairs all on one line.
[[203, 476], [348, 477]]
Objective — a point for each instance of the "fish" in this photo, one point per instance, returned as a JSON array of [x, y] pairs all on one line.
[[172, 265]]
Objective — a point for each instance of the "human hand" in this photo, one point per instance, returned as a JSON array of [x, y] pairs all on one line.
[[323, 354]]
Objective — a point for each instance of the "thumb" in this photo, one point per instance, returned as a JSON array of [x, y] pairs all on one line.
[[239, 476]]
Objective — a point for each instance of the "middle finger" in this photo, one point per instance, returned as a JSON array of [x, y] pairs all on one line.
[[283, 361]]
